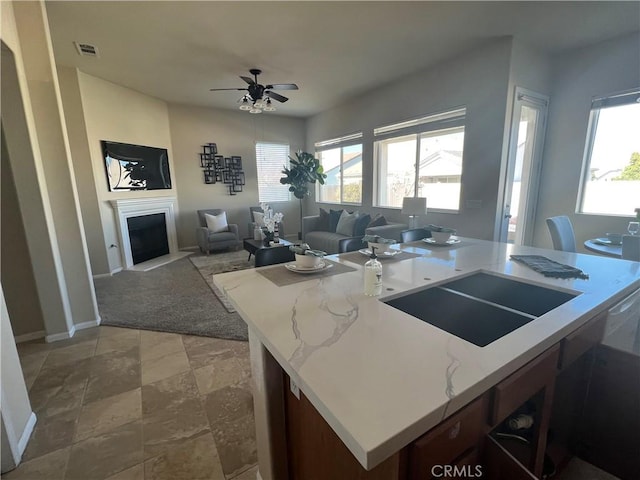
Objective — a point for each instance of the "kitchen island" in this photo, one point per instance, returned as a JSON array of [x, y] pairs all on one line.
[[379, 377]]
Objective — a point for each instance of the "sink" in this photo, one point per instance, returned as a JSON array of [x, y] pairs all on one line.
[[480, 308]]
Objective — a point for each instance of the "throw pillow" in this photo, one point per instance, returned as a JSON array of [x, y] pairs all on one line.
[[258, 217], [323, 222], [346, 223], [361, 224], [217, 223], [334, 218], [377, 221]]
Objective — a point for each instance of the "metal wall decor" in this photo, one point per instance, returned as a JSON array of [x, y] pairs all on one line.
[[218, 168]]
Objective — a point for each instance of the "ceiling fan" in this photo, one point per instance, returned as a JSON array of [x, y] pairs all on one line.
[[259, 96]]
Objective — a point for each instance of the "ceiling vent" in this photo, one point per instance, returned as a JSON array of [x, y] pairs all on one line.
[[86, 49]]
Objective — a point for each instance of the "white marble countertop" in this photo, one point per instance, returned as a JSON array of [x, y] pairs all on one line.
[[381, 377]]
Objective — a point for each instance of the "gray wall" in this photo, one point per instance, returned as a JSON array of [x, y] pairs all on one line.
[[579, 75], [235, 133], [478, 80]]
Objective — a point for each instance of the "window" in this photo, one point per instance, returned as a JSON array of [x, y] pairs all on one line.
[[611, 170], [271, 158], [422, 158], [341, 160]]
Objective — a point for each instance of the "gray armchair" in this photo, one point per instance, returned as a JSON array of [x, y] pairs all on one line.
[[208, 240]]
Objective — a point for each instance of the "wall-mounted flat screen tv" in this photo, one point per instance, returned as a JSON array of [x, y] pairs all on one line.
[[135, 167]]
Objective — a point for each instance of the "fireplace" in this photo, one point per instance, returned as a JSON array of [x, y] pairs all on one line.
[[143, 221], [148, 237]]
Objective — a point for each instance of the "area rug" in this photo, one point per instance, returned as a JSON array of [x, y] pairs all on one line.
[[222, 262], [172, 298]]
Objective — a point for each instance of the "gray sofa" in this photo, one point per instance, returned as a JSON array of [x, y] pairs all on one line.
[[329, 241]]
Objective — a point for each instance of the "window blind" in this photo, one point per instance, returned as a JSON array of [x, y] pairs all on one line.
[[271, 158]]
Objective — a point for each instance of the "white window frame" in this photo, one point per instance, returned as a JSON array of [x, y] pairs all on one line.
[[267, 192], [618, 99], [339, 142], [433, 123]]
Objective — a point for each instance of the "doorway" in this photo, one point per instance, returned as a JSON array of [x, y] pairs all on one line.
[[526, 140]]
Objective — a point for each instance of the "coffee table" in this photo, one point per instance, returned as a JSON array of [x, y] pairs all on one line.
[[251, 245]]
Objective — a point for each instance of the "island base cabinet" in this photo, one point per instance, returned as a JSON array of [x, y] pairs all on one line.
[[315, 452]]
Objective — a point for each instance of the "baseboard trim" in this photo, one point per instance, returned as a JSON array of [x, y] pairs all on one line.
[[89, 324], [30, 336], [56, 337], [103, 275], [116, 270], [26, 433]]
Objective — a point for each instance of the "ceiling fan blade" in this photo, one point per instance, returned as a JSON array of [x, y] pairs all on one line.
[[247, 79], [220, 89], [276, 96], [282, 86]]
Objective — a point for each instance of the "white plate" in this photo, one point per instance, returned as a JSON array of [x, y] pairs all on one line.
[[388, 253], [292, 267], [451, 241]]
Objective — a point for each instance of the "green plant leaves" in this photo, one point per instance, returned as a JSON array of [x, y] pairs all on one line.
[[303, 169]]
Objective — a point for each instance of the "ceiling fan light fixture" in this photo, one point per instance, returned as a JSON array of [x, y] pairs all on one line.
[[268, 107], [245, 105], [259, 103], [255, 110]]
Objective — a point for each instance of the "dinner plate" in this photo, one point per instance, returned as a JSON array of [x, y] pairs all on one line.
[[388, 253], [606, 241], [292, 267], [451, 241]]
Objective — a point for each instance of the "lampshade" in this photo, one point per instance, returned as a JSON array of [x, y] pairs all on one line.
[[414, 206]]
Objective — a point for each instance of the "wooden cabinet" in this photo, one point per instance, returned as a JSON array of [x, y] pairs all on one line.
[[582, 340], [453, 442]]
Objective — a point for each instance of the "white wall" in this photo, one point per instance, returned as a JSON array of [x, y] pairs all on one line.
[[119, 114], [578, 76], [479, 80], [234, 132]]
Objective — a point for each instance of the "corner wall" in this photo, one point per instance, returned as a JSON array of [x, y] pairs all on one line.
[[235, 133], [478, 80], [578, 76]]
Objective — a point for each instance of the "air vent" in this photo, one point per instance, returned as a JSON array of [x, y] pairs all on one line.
[[86, 49]]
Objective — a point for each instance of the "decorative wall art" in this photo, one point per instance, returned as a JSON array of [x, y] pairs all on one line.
[[135, 167], [217, 168]]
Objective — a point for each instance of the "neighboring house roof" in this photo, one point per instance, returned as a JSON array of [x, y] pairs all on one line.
[[352, 167], [441, 163]]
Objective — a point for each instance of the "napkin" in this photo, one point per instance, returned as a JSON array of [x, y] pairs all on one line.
[[548, 267]]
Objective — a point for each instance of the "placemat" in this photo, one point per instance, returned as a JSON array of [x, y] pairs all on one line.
[[359, 258], [548, 267], [279, 274]]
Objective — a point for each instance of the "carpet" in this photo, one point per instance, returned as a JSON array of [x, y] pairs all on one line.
[[172, 298], [222, 262]]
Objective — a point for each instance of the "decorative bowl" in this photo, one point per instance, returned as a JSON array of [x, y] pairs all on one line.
[[308, 261], [441, 237]]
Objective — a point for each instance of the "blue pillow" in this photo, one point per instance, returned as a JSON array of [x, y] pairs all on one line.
[[361, 224], [334, 218]]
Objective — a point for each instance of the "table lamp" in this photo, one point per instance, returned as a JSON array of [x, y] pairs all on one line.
[[414, 207]]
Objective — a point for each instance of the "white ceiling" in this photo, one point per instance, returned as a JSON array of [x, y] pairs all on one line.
[[178, 50]]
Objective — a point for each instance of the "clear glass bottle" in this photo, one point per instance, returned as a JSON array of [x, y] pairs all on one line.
[[373, 275]]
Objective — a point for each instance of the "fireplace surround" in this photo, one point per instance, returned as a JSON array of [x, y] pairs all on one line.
[[126, 209]]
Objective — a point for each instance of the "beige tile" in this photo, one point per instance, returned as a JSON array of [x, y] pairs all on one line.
[[46, 467], [51, 434], [236, 444], [107, 414], [106, 331], [172, 413], [219, 374], [133, 473], [58, 375], [113, 373], [167, 366], [33, 346], [159, 344], [196, 459], [204, 351], [71, 354], [53, 401], [104, 455], [31, 365], [251, 474], [118, 342], [229, 403]]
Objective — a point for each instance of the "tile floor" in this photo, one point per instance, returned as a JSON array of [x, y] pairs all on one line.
[[123, 404]]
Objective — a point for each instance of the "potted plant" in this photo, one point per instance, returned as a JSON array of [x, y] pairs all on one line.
[[303, 170], [306, 257]]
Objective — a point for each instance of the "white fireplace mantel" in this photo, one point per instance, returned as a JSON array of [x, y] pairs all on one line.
[[127, 208]]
